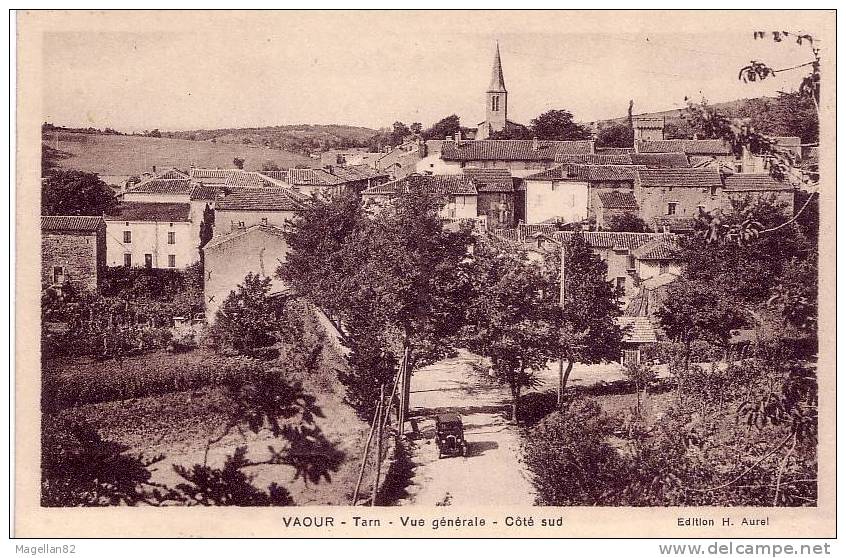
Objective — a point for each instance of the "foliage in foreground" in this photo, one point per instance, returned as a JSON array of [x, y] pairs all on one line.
[[746, 435]]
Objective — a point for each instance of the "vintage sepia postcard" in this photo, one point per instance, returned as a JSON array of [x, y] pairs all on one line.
[[425, 274]]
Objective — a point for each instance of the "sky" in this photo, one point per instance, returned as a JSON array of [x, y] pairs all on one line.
[[181, 71]]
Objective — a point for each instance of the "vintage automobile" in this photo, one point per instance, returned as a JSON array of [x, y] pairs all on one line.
[[449, 435]]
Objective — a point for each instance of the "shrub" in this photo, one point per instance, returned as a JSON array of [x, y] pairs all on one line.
[[570, 460]]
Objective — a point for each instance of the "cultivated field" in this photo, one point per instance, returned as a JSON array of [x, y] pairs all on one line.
[[132, 155]]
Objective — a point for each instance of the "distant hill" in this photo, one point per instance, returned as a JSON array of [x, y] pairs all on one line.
[[728, 107], [301, 138], [132, 155]]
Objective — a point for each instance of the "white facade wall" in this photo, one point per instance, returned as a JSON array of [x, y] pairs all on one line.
[[460, 207], [647, 269], [433, 164], [546, 199], [151, 237]]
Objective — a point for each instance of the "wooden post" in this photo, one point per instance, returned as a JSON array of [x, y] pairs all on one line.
[[379, 410], [406, 373], [364, 459]]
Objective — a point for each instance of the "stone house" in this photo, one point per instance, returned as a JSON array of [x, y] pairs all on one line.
[[637, 333], [230, 256], [521, 157], [570, 192], [241, 208], [496, 200], [628, 255], [672, 197], [153, 235], [750, 187], [610, 203], [73, 251], [695, 150]]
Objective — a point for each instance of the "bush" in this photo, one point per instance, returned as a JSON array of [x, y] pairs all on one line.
[[570, 460], [669, 351]]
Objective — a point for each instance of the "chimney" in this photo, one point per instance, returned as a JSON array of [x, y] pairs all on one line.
[[448, 138], [535, 144], [458, 137]]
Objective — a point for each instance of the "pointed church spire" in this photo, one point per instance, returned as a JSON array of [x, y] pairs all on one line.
[[497, 81]]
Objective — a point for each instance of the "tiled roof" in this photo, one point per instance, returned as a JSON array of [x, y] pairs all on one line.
[[615, 150], [491, 180], [745, 182], [637, 329], [446, 184], [281, 175], [76, 223], [594, 158], [249, 179], [203, 192], [680, 178], [312, 177], [660, 159], [259, 199], [689, 147], [658, 249], [213, 176], [589, 173], [618, 200], [145, 211], [610, 239], [172, 186], [172, 174], [235, 234], [511, 150]]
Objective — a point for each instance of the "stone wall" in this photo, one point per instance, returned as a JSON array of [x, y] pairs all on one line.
[[82, 257]]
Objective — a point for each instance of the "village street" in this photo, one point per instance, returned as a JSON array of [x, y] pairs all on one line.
[[491, 473]]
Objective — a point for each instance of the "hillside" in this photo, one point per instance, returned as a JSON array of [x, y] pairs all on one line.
[[728, 107], [132, 155], [300, 138]]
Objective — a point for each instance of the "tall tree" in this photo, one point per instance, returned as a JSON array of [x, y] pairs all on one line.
[[514, 317], [558, 124], [318, 241], [72, 192], [615, 135], [448, 126], [589, 303]]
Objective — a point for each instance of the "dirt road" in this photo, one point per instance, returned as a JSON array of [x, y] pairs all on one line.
[[491, 474]]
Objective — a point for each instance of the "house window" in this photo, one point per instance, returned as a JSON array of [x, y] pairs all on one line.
[[495, 103], [630, 262], [621, 283], [664, 267], [127, 237], [671, 208], [171, 260], [58, 275], [171, 238], [148, 261], [127, 260], [264, 220]]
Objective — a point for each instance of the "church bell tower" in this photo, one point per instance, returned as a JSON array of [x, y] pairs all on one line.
[[497, 97]]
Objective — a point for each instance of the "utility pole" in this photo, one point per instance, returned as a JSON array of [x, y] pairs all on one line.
[[379, 410], [562, 293]]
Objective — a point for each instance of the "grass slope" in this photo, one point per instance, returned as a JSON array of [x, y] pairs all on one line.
[[132, 155]]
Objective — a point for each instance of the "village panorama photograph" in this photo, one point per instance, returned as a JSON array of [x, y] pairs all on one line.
[[429, 262]]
